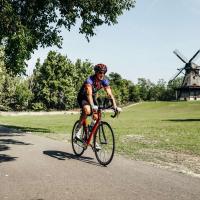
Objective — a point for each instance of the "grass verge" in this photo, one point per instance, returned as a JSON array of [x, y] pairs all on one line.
[[166, 133]]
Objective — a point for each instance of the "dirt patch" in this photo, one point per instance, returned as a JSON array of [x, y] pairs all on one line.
[[181, 162], [184, 163], [138, 139]]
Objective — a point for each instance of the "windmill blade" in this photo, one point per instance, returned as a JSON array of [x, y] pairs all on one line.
[[180, 70], [180, 56], [194, 55]]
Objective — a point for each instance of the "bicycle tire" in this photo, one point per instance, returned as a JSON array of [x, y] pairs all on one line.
[[105, 138], [77, 146]]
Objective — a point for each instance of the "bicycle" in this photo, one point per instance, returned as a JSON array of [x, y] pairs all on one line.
[[102, 134]]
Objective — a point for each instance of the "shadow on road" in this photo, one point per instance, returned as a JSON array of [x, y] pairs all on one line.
[[21, 129], [6, 158], [6, 131], [7, 141], [11, 141], [4, 147], [60, 155], [183, 120]]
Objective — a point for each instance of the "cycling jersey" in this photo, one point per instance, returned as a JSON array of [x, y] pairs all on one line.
[[96, 86]]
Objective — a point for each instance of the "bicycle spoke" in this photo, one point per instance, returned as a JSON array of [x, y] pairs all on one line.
[[77, 145], [104, 144]]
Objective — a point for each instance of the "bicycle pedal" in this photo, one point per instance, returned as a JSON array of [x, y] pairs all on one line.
[[77, 139], [92, 147], [85, 145]]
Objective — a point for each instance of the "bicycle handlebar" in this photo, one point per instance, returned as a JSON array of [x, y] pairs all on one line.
[[108, 104], [117, 112]]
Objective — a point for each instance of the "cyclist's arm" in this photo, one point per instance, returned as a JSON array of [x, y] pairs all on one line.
[[110, 94], [88, 89]]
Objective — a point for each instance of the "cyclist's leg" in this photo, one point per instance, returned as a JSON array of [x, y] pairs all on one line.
[[81, 102], [94, 114], [86, 110]]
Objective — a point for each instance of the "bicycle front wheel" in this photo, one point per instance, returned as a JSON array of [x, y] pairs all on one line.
[[77, 145], [104, 144]]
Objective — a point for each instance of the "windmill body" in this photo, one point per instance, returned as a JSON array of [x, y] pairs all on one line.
[[190, 88], [192, 77]]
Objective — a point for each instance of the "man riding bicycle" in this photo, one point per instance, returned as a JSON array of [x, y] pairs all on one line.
[[87, 94]]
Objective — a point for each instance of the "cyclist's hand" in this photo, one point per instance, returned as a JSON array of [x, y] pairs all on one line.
[[118, 109]]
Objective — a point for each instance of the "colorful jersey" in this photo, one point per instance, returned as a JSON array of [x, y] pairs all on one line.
[[96, 86]]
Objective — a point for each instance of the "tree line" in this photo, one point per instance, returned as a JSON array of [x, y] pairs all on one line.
[[55, 83], [28, 24]]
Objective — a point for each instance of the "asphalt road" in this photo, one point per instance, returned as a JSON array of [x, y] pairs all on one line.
[[38, 168]]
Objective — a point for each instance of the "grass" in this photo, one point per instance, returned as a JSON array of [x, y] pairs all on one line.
[[53, 126], [162, 125], [152, 131]]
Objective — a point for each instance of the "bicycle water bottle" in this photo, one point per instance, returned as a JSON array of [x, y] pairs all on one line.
[[86, 129], [92, 124]]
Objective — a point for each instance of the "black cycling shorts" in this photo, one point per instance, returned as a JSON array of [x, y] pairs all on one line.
[[82, 101]]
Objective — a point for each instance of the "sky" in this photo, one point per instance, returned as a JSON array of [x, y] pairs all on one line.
[[141, 45]]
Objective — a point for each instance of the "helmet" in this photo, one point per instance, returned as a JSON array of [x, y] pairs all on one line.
[[100, 68]]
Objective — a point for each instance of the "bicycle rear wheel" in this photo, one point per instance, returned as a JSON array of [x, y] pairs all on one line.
[[104, 144], [77, 145]]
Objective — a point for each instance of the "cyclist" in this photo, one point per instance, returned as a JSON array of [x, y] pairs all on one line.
[[87, 94]]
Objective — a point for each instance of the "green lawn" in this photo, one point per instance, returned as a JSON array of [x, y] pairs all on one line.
[[161, 125], [152, 131]]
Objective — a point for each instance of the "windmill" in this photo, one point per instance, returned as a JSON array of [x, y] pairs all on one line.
[[190, 87]]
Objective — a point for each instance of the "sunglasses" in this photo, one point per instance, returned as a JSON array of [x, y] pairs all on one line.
[[101, 73]]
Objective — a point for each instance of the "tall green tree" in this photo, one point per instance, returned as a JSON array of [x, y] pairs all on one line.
[[22, 95], [55, 82], [134, 93], [14, 93], [144, 87], [2, 79], [52, 82], [83, 69], [27, 24], [120, 87], [115, 83], [171, 93], [157, 91]]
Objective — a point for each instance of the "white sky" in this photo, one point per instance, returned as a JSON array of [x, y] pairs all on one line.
[[142, 43]]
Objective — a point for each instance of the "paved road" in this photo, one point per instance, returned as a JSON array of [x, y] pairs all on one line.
[[37, 168]]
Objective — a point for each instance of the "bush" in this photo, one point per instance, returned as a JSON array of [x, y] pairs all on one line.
[[38, 106]]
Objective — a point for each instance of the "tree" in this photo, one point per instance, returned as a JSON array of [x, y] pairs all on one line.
[[14, 93], [171, 88], [81, 72], [55, 83], [120, 87], [157, 91], [115, 83], [22, 95], [27, 24], [134, 93], [144, 87], [2, 79]]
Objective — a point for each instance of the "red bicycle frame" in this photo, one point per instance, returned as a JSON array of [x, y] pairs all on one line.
[[94, 128]]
